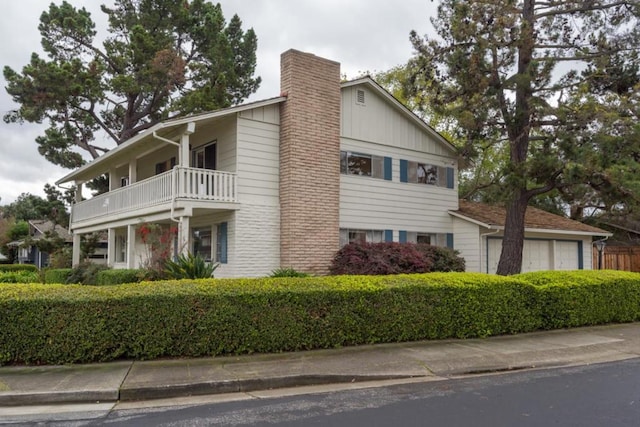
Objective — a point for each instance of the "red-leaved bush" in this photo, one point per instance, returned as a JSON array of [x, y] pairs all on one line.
[[394, 258]]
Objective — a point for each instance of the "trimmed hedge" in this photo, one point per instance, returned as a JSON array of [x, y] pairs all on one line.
[[20, 276], [56, 324], [17, 267], [56, 275], [118, 276]]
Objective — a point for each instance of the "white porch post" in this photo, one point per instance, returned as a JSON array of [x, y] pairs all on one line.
[[183, 158], [112, 180], [131, 246], [183, 234], [133, 168], [111, 246], [76, 249], [75, 257]]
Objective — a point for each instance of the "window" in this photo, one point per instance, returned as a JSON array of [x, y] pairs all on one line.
[[365, 165], [204, 157], [202, 242], [121, 248], [425, 173], [165, 166], [124, 181], [360, 236]]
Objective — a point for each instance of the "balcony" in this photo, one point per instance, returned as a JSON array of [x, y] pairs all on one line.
[[180, 183]]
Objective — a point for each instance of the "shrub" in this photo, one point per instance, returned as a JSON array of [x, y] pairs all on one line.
[[189, 266], [56, 275], [85, 273], [287, 272], [119, 276], [23, 276], [380, 259], [18, 267], [442, 259]]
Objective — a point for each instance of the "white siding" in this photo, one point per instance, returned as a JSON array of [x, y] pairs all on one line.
[[223, 132], [378, 121], [377, 204], [258, 161], [257, 240], [466, 240]]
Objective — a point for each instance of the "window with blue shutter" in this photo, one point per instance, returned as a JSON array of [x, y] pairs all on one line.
[[450, 178], [404, 170], [221, 247], [450, 240], [388, 235], [580, 256], [403, 236], [387, 168]]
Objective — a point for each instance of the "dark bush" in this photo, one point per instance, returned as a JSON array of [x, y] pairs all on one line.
[[18, 267], [442, 259], [119, 276], [379, 259], [394, 258], [56, 275], [85, 273]]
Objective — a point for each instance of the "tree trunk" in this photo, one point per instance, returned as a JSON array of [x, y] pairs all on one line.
[[513, 241]]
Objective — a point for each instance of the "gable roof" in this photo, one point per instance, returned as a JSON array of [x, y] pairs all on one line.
[[493, 217], [44, 226], [400, 107]]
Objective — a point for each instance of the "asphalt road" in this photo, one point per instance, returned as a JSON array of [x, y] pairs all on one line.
[[596, 395]]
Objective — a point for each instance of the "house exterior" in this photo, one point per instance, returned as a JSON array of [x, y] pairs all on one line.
[[28, 251], [551, 242], [282, 182]]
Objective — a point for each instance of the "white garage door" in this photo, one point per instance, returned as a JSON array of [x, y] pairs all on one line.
[[537, 255], [567, 256]]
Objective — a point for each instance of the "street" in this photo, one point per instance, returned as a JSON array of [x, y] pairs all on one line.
[[595, 395]]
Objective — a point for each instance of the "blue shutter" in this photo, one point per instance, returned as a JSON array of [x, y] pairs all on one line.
[[387, 168], [388, 235], [222, 243], [580, 257], [404, 170], [403, 236], [450, 240], [450, 178]]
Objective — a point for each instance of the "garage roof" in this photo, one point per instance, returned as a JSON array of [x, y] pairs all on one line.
[[492, 216]]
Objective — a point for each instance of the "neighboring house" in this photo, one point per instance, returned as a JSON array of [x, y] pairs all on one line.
[[551, 241], [38, 230], [282, 182]]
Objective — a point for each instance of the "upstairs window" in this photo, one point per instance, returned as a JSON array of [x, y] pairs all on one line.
[[425, 173], [365, 165]]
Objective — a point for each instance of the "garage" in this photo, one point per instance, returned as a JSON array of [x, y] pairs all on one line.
[[539, 254]]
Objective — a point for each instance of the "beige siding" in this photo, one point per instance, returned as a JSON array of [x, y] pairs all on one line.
[[377, 121], [378, 204], [467, 242], [258, 157], [224, 134]]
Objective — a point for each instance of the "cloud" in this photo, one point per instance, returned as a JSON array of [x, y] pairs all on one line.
[[363, 35]]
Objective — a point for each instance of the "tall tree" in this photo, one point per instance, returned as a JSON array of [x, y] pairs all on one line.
[[509, 71], [162, 59]]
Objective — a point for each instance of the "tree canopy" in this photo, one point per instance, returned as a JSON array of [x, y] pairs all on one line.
[[162, 59], [544, 93]]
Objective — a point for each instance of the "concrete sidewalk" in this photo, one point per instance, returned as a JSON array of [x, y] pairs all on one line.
[[130, 381]]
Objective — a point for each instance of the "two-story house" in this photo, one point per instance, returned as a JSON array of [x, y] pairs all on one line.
[[283, 182]]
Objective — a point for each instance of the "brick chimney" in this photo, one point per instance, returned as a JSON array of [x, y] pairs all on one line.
[[309, 161]]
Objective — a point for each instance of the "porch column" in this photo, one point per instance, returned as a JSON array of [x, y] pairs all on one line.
[[133, 171], [111, 246], [112, 179], [131, 246], [76, 249], [183, 235], [183, 157]]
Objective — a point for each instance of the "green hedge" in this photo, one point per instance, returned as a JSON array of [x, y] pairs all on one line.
[[78, 324], [56, 275], [22, 276], [118, 276], [17, 267]]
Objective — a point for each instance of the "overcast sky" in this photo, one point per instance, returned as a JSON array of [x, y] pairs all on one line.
[[363, 35]]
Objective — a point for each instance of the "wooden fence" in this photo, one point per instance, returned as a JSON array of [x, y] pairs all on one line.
[[626, 258]]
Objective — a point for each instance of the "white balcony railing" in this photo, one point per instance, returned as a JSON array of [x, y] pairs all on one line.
[[178, 183]]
